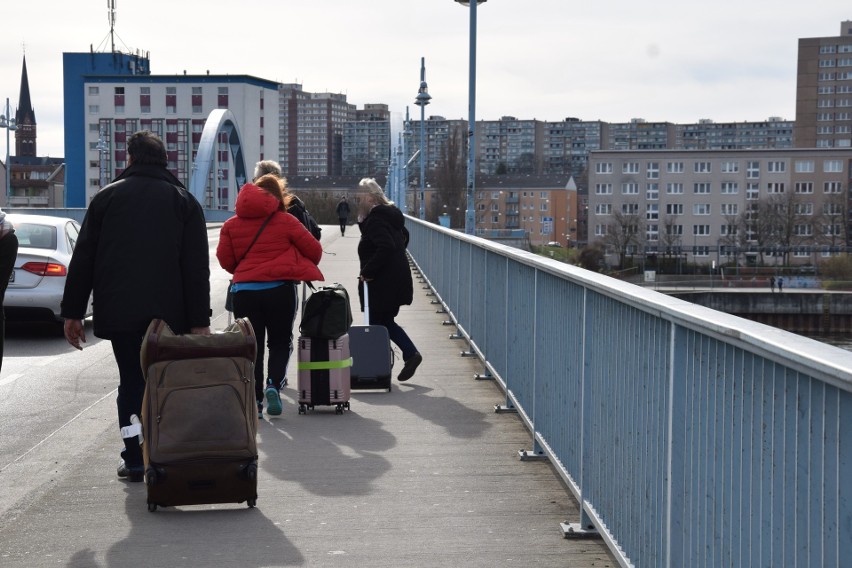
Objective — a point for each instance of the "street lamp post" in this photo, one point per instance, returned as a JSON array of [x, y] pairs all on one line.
[[406, 134], [7, 122], [470, 218], [422, 100]]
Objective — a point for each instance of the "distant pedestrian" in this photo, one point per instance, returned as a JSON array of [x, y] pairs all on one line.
[[772, 283], [780, 285], [8, 254], [343, 214]]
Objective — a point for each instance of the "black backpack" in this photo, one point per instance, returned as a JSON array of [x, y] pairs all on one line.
[[327, 313], [299, 211]]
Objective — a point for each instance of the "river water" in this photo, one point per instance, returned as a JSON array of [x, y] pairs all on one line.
[[843, 341]]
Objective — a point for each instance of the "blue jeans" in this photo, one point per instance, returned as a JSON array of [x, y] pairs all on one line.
[[396, 333]]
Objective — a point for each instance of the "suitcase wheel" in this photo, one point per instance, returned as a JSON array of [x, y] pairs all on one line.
[[150, 479], [302, 409], [252, 503], [250, 471], [152, 507], [338, 409]]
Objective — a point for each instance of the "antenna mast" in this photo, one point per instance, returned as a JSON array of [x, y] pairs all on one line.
[[111, 6]]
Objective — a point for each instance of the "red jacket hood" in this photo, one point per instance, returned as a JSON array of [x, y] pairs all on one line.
[[253, 202]]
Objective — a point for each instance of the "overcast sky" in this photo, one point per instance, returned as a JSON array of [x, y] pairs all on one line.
[[611, 60]]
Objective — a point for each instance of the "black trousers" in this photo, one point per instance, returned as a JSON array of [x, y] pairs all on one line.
[[271, 313], [8, 253], [343, 221], [131, 387]]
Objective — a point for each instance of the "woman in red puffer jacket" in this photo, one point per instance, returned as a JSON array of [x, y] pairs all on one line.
[[266, 274]]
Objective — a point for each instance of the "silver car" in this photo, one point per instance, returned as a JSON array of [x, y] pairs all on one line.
[[45, 244]]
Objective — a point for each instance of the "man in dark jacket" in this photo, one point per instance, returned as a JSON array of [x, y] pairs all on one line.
[[343, 214], [143, 254]]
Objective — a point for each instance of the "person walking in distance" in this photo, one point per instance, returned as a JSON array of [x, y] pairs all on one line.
[[384, 266], [8, 254], [268, 251], [343, 214], [142, 253]]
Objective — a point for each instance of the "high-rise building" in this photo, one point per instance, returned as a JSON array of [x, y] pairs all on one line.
[[510, 145], [824, 91], [567, 144], [366, 142], [311, 131]]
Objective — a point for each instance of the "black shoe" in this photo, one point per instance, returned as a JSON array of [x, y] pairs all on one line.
[[135, 473], [410, 366]]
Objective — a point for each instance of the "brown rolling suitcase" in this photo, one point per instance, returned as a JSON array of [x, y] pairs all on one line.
[[199, 416]]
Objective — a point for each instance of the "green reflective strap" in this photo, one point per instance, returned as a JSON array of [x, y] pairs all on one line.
[[318, 365]]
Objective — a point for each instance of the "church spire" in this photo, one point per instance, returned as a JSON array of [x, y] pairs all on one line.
[[25, 135]]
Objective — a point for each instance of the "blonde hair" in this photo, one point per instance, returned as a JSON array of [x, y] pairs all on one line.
[[372, 187], [277, 186]]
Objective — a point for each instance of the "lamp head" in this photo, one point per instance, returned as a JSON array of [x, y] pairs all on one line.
[[467, 2]]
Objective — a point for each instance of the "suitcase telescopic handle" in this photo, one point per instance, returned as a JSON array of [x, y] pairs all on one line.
[[366, 305]]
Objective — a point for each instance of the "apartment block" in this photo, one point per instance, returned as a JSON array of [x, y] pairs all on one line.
[[695, 202], [510, 145], [543, 207], [438, 132], [367, 142], [824, 91], [567, 144], [638, 134], [311, 131], [774, 132]]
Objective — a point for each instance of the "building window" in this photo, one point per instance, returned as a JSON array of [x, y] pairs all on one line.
[[701, 209], [832, 208], [603, 189], [804, 208], [630, 208], [803, 166], [94, 109], [730, 209], [653, 170], [197, 100], [804, 187], [730, 167], [603, 168], [753, 170], [94, 91], [703, 188], [774, 188], [833, 187], [652, 212], [630, 168], [701, 230], [776, 167], [603, 209], [730, 188], [652, 191], [630, 188], [832, 166], [674, 209], [674, 167], [702, 168], [674, 188]]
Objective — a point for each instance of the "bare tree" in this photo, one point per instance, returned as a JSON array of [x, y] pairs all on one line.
[[832, 224], [451, 180], [786, 218], [622, 233]]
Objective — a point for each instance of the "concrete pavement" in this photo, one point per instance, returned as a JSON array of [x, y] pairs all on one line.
[[427, 475]]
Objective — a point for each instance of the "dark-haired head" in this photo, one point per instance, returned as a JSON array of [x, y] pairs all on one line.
[[145, 147]]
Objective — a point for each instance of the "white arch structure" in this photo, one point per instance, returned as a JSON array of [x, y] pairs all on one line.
[[219, 121]]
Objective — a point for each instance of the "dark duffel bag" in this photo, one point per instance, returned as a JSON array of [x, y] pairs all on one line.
[[327, 313]]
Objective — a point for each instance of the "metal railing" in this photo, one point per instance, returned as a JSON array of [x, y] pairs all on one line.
[[688, 436]]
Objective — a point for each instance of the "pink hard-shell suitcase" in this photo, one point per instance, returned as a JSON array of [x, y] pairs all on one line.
[[324, 380]]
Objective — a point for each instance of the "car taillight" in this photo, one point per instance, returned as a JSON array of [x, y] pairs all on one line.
[[45, 268]]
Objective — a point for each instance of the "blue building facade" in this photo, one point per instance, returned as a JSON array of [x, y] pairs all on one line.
[[76, 67]]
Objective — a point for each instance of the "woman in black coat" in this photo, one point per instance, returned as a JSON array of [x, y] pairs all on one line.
[[384, 267]]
